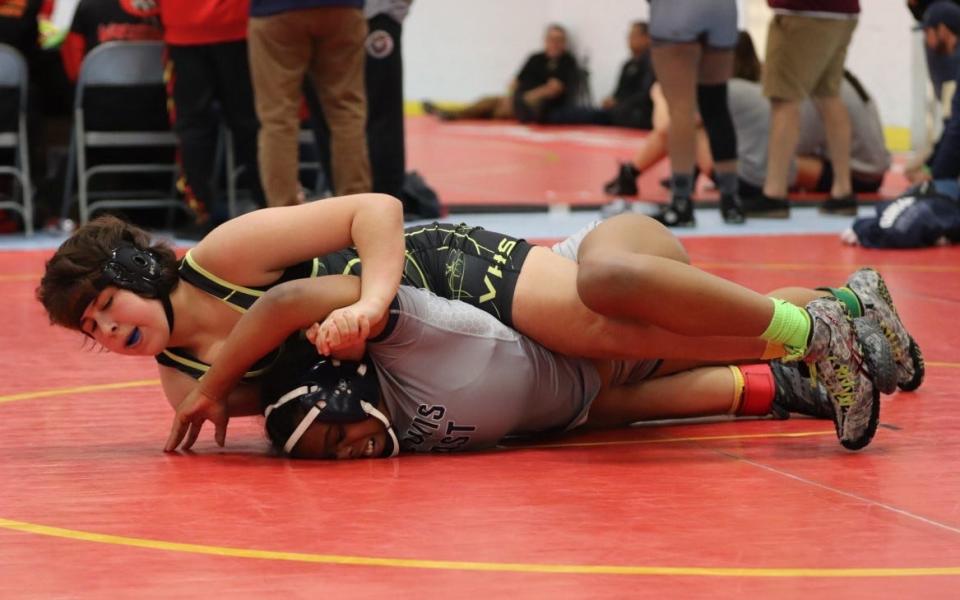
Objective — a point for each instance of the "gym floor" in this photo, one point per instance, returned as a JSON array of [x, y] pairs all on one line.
[[91, 508]]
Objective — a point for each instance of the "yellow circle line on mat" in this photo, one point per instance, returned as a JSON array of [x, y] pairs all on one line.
[[80, 389], [21, 277], [456, 565]]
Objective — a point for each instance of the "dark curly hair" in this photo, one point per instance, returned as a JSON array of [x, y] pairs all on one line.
[[70, 281]]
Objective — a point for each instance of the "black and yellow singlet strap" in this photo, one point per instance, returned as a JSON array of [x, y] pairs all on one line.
[[237, 296]]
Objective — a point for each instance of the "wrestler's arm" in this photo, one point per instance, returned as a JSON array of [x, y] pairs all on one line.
[[284, 309], [254, 249], [243, 400]]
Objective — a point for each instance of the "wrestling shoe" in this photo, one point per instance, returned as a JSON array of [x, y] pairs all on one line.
[[796, 393], [679, 213], [625, 183], [847, 205], [869, 286], [853, 361], [731, 210], [765, 207]]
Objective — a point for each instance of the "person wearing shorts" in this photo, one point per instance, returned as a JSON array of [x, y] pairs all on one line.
[[692, 54], [806, 50]]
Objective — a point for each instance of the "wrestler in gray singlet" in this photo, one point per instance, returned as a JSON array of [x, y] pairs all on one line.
[[455, 378]]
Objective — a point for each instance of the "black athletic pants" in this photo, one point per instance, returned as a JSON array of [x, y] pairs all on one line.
[[205, 75]]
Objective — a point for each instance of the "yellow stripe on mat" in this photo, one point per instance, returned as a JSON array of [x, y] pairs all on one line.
[[81, 389], [453, 565]]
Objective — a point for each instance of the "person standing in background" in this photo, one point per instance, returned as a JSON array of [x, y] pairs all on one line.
[[208, 65], [693, 46], [806, 49], [384, 80], [288, 38]]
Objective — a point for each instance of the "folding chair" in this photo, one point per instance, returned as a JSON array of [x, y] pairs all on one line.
[[306, 138], [13, 74], [117, 65]]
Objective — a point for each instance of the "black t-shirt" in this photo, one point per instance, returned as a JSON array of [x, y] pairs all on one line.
[[18, 25], [99, 21], [539, 69], [636, 79], [634, 107]]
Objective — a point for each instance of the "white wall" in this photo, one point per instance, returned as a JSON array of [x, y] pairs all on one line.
[[456, 50]]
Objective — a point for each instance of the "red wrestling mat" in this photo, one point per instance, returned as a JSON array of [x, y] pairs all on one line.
[[91, 508], [497, 165]]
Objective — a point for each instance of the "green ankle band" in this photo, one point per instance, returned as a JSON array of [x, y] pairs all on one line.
[[849, 299]]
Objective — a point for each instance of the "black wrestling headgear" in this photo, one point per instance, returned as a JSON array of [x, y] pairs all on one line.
[[334, 391], [139, 271]]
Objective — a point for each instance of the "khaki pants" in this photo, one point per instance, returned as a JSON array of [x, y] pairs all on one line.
[[329, 43]]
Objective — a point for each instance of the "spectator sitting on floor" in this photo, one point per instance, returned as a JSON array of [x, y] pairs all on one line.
[[810, 170], [631, 104], [544, 84], [926, 215], [869, 157]]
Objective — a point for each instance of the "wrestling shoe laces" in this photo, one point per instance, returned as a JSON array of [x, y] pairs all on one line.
[[878, 306]]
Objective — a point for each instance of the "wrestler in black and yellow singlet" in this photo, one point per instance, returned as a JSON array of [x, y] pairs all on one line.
[[457, 262]]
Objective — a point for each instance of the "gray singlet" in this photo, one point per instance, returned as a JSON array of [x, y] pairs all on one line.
[[454, 378]]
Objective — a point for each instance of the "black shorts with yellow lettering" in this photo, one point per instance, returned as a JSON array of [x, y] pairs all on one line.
[[458, 262]]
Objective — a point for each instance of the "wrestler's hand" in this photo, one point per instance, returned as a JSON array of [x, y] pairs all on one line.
[[196, 408], [343, 327]]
